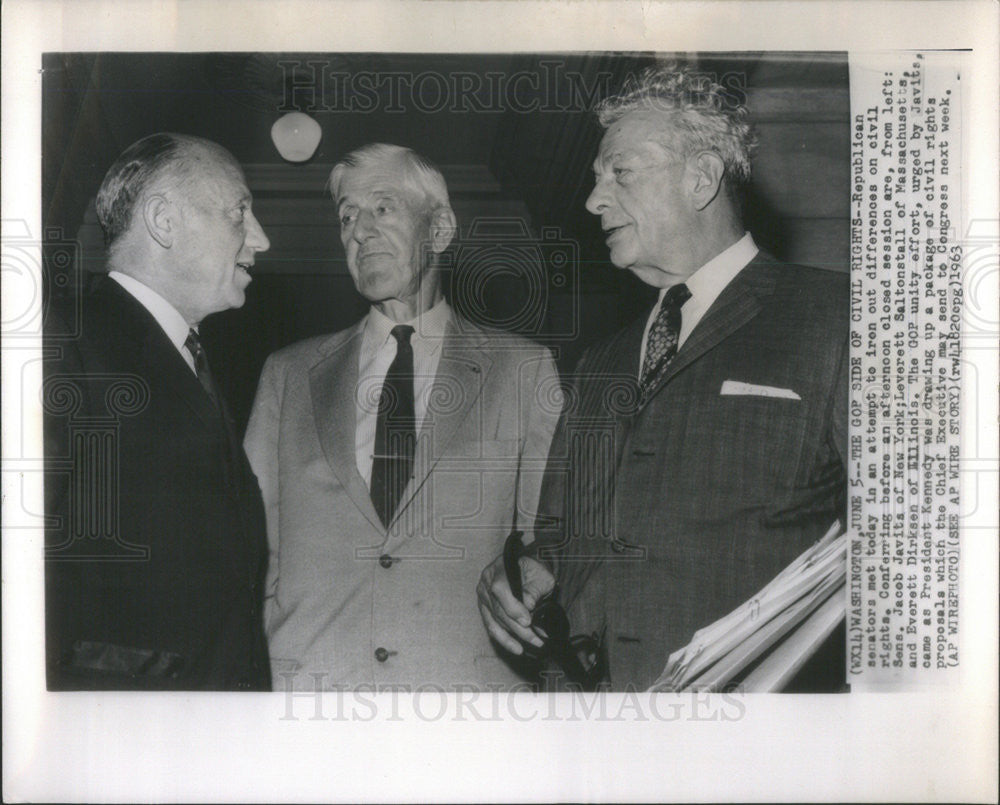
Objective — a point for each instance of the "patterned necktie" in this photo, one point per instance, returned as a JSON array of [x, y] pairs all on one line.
[[661, 343], [197, 351], [395, 429]]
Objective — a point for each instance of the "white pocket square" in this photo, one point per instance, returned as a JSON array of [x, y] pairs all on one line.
[[733, 388]]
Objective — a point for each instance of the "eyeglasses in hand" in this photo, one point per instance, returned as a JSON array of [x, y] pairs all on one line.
[[581, 657]]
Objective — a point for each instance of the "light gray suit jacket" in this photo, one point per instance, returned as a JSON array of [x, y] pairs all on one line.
[[348, 602]]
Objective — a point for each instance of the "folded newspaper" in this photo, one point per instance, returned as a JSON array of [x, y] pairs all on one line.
[[789, 618]]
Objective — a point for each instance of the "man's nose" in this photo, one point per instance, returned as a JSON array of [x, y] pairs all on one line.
[[256, 239], [364, 226], [597, 200]]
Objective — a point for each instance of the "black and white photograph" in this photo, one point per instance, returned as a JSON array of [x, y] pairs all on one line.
[[396, 414]]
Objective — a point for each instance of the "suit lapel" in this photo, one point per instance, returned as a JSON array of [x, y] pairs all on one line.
[[168, 370], [458, 384], [178, 378], [738, 304], [333, 384], [624, 351]]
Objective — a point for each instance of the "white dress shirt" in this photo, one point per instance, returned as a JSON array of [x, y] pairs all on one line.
[[705, 285], [378, 349], [171, 322]]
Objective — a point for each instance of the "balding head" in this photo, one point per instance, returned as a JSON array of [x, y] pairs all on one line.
[[176, 213], [157, 161]]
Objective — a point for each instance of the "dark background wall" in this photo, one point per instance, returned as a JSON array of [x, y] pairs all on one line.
[[513, 134]]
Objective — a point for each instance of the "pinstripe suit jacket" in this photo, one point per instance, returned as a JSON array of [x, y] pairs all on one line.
[[663, 514], [348, 602]]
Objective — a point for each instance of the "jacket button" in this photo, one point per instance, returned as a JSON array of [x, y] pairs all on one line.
[[381, 654], [385, 560]]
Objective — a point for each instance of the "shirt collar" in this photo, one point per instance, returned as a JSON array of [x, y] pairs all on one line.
[[166, 315], [709, 281], [429, 326]]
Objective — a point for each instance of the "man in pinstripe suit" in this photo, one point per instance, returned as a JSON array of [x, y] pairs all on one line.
[[667, 506]]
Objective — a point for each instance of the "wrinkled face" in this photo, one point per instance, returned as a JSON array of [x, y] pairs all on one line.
[[385, 229], [640, 194], [218, 238]]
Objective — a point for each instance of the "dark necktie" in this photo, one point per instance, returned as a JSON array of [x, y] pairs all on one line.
[[395, 429], [233, 448], [197, 351], [661, 343]]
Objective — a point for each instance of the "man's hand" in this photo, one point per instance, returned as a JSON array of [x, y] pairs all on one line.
[[506, 619]]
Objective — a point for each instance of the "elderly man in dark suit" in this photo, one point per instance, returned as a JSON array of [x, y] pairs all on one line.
[[728, 459], [156, 550]]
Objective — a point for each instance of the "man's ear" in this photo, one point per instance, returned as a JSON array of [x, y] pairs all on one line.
[[158, 216], [707, 170], [443, 228]]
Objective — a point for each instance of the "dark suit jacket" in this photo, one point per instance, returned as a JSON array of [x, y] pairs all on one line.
[[671, 512], [156, 544]]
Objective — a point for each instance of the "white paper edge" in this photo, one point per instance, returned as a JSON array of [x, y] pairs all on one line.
[[215, 747]]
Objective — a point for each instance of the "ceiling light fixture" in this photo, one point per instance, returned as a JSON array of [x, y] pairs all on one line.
[[296, 136]]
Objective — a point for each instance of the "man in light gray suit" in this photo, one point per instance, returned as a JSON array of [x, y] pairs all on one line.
[[388, 455]]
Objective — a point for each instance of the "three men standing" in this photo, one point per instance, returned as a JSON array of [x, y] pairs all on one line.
[[394, 456]]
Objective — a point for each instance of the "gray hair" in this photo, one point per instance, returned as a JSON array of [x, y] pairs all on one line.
[[419, 173], [139, 167], [702, 116]]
